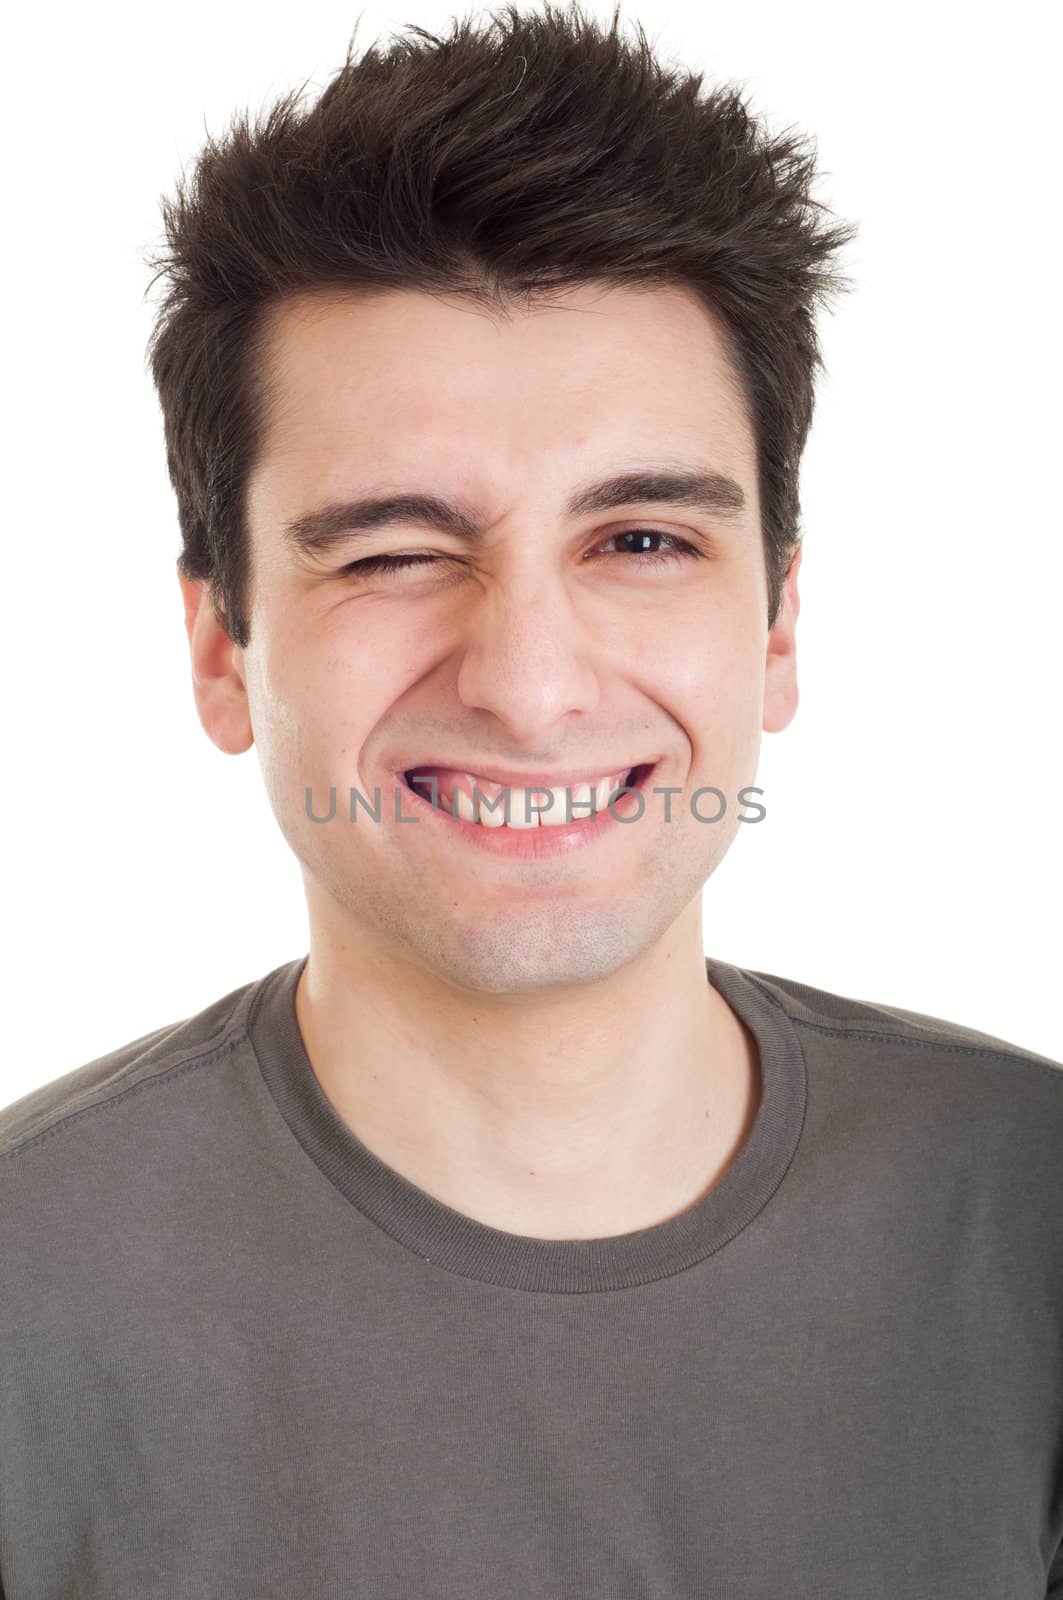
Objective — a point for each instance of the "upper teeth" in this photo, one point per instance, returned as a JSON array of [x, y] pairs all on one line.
[[537, 806]]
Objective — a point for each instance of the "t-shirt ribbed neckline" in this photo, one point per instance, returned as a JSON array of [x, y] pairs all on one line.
[[460, 1244]]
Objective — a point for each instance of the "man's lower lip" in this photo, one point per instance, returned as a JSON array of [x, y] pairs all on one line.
[[530, 844]]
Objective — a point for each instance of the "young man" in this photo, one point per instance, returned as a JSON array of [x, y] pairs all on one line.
[[502, 1244]]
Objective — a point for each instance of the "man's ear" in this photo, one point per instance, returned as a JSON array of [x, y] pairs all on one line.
[[217, 671], [780, 676]]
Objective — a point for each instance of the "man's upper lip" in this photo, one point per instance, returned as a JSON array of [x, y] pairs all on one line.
[[552, 779]]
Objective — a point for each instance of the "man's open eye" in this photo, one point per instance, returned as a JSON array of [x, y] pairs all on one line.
[[645, 547], [642, 546]]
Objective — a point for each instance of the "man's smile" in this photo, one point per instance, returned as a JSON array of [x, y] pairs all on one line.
[[497, 799], [529, 820]]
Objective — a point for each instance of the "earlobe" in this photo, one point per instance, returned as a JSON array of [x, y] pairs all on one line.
[[780, 675], [217, 679]]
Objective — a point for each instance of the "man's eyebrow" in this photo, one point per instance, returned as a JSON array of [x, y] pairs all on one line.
[[708, 492]]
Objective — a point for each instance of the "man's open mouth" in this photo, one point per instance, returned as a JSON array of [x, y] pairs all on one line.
[[472, 798]]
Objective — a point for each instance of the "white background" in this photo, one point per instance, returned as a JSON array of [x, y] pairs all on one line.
[[911, 853]]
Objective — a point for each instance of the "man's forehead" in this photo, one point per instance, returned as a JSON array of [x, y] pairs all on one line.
[[348, 429], [637, 324]]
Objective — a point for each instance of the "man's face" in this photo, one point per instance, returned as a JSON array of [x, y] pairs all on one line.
[[543, 645]]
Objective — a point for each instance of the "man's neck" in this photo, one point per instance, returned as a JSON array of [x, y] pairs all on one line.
[[574, 1114]]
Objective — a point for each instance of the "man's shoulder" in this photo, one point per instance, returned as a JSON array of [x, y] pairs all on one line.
[[151, 1058], [883, 1025]]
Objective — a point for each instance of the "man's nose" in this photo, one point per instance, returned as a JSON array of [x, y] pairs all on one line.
[[527, 656]]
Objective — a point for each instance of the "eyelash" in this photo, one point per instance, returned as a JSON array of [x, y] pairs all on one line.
[[680, 548]]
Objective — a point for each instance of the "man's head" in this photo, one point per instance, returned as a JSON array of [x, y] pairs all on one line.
[[492, 274]]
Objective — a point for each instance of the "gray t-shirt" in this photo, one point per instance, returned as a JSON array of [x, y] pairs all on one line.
[[243, 1358]]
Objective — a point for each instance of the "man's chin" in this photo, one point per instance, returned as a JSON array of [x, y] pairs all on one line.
[[538, 953]]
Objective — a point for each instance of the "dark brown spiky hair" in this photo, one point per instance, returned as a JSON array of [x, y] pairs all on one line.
[[526, 154]]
